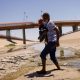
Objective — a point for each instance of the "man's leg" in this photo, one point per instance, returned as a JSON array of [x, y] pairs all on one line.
[[56, 63], [53, 57], [43, 58], [43, 65]]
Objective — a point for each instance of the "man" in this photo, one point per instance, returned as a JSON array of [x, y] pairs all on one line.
[[50, 47]]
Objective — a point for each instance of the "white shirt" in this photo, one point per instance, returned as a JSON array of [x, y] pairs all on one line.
[[52, 37]]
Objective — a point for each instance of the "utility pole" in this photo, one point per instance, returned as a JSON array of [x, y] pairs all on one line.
[[24, 33]]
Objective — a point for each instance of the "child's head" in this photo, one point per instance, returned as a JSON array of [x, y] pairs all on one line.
[[40, 21]]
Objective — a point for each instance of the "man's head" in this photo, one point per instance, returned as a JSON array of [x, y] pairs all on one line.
[[46, 17]]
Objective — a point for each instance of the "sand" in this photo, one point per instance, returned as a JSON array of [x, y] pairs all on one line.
[[65, 74], [71, 40], [12, 61], [13, 56]]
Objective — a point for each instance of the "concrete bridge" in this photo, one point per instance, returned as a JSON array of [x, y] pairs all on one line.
[[27, 25]]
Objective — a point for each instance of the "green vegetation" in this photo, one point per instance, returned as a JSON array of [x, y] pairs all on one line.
[[61, 52], [10, 45]]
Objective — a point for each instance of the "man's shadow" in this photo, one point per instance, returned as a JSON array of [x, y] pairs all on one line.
[[35, 74]]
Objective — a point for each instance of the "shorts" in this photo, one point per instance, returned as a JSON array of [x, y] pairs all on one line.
[[50, 48]]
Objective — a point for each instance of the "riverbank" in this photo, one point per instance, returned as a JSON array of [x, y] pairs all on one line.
[[71, 40], [22, 64], [14, 56]]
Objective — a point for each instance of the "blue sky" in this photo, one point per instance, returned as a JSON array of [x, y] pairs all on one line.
[[13, 10]]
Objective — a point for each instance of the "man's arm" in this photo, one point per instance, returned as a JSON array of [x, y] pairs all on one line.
[[58, 35]]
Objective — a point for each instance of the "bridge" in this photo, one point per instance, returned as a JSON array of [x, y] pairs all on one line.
[[27, 25]]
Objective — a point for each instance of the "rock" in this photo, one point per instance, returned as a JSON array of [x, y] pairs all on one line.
[[2, 69]]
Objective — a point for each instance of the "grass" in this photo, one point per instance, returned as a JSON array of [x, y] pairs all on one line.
[[10, 45]]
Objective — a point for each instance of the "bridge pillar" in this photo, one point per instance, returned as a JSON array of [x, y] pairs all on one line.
[[24, 38], [60, 30], [75, 28], [8, 35]]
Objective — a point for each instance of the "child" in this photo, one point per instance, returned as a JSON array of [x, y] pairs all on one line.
[[42, 31]]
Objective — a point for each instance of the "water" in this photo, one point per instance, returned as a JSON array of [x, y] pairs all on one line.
[[68, 52], [74, 63], [31, 34], [66, 29], [39, 46]]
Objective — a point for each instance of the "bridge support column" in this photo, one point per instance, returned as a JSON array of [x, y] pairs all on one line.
[[8, 35], [24, 37], [60, 30], [75, 28]]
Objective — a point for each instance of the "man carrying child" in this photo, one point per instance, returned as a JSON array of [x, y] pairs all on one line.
[[52, 42]]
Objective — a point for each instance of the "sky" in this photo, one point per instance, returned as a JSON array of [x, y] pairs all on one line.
[[31, 10]]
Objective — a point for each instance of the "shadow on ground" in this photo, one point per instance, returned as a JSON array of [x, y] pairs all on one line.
[[35, 74]]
